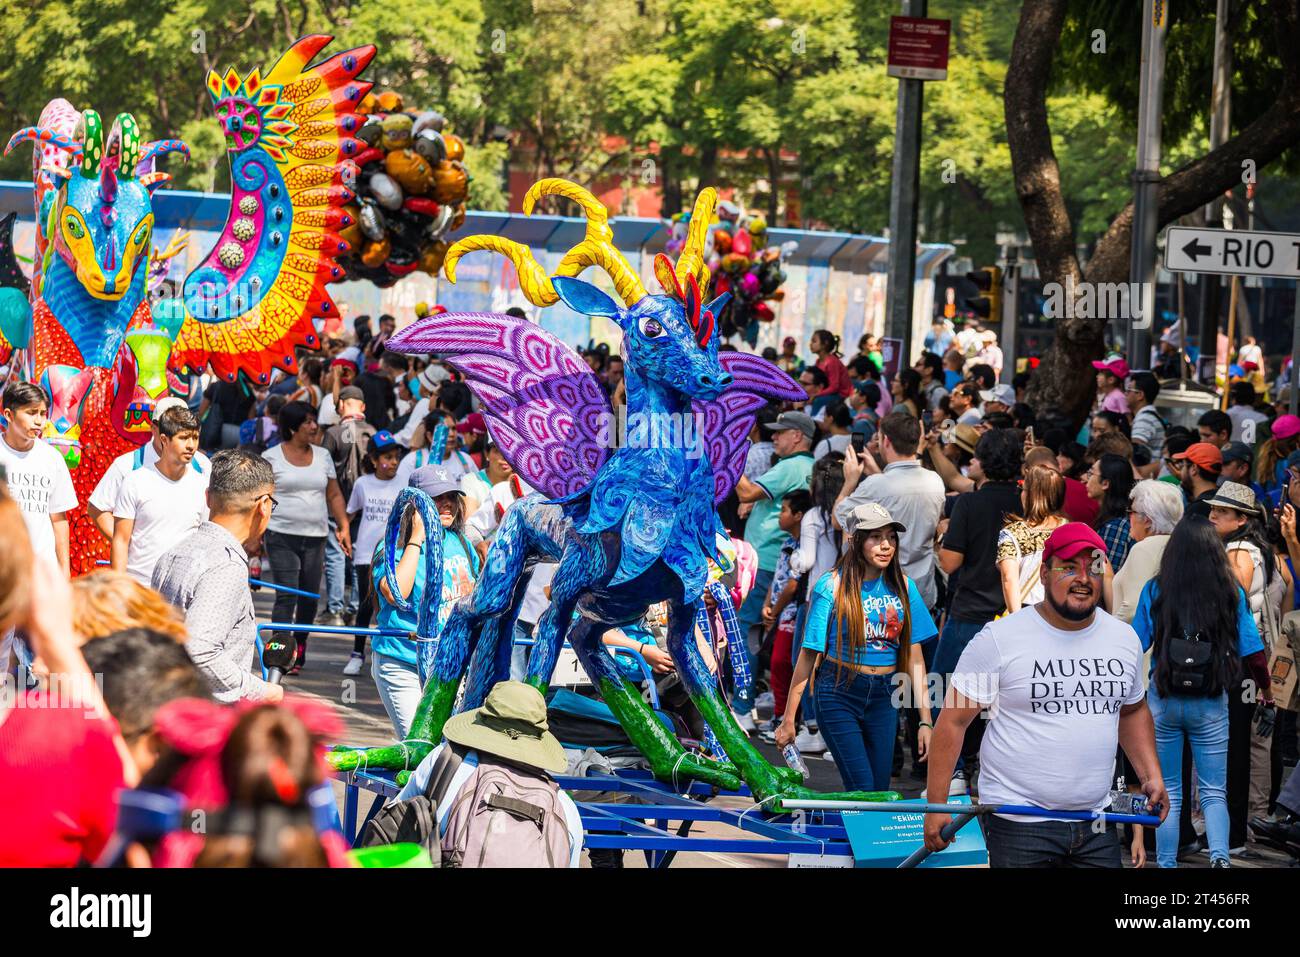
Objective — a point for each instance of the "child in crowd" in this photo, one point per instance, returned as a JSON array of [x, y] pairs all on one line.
[[373, 497], [783, 600]]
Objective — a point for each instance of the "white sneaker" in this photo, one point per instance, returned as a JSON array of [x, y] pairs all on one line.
[[765, 702], [353, 667], [809, 742], [746, 721], [958, 784]]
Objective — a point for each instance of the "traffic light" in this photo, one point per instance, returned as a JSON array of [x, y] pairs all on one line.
[[988, 304]]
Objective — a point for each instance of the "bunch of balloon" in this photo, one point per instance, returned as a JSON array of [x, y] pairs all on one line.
[[740, 262], [411, 188]]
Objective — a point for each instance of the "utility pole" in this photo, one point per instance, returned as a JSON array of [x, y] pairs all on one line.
[[904, 200], [1010, 309], [1208, 286], [1146, 177]]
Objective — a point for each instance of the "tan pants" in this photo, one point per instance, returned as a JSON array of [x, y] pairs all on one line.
[[1261, 774]]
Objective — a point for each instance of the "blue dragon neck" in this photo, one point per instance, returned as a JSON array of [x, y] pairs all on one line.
[[97, 327], [657, 489]]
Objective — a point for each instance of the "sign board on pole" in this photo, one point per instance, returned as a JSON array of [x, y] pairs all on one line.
[[891, 355], [918, 48], [1236, 252]]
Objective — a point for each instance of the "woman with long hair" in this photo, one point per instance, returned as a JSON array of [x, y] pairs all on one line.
[[1110, 483], [825, 345], [868, 621], [394, 660], [1270, 470], [1021, 541], [906, 392], [1194, 619]]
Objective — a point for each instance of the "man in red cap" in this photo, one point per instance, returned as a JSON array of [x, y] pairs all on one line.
[[1198, 471], [1110, 385], [1063, 684]]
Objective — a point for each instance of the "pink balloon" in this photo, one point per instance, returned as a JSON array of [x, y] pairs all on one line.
[[749, 285], [742, 244]]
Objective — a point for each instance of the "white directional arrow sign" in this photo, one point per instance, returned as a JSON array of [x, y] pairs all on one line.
[[1236, 252]]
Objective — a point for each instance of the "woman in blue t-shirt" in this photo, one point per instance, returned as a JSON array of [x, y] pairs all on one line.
[[1196, 598], [868, 621], [394, 661]]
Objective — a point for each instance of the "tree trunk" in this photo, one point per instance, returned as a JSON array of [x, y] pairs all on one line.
[[1064, 379]]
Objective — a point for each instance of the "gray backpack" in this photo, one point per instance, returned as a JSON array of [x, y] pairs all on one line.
[[506, 815]]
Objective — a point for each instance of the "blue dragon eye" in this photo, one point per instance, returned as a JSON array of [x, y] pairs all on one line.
[[650, 327]]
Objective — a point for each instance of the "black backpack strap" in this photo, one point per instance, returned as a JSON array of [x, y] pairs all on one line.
[[440, 777]]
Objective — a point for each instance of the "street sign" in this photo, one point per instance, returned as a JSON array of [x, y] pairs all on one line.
[[1236, 252], [918, 48]]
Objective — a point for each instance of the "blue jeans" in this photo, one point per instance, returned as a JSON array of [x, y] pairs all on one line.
[[1050, 844], [1204, 723], [750, 614], [340, 574], [857, 718], [956, 635]]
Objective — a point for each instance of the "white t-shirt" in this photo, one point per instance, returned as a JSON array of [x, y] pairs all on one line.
[[327, 414], [490, 511], [457, 464], [1054, 699], [105, 495], [164, 512], [374, 499], [832, 443], [300, 493], [418, 412], [41, 484]]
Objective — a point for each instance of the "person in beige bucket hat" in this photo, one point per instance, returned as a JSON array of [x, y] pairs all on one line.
[[511, 725]]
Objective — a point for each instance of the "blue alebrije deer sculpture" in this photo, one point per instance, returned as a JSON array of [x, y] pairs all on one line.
[[628, 528]]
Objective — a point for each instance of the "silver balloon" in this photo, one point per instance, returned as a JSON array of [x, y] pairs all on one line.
[[431, 145], [430, 120], [372, 222], [371, 130], [386, 191], [437, 227]]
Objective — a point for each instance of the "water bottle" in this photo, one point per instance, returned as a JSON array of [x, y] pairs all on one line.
[[794, 759]]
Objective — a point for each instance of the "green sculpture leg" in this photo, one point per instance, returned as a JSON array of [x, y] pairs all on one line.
[[435, 707], [770, 785], [669, 760]]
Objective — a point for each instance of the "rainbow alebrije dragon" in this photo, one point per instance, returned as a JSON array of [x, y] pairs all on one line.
[[100, 344], [630, 527]]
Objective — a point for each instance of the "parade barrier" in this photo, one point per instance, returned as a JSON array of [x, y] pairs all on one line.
[[259, 583]]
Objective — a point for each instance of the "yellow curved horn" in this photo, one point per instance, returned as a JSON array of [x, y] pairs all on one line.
[[597, 248], [691, 261], [533, 281]]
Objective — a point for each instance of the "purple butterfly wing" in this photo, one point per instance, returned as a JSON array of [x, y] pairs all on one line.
[[728, 419], [542, 405]]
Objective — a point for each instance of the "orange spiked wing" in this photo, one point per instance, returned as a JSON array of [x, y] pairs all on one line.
[[260, 291]]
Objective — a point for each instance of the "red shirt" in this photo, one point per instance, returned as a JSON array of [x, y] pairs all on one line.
[[837, 376], [1078, 507], [59, 774]]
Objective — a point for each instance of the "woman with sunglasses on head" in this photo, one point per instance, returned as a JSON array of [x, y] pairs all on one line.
[[1194, 619], [866, 622]]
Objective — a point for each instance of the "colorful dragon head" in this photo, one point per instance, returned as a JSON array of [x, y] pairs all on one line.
[[99, 218], [668, 339]]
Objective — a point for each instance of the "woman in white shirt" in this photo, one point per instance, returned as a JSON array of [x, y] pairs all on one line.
[[837, 422], [1155, 508], [307, 496]]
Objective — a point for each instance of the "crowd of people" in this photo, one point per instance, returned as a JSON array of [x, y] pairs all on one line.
[[886, 531]]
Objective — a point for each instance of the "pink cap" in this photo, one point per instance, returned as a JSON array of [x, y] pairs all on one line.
[[1286, 426], [1070, 539], [1117, 367], [473, 424]]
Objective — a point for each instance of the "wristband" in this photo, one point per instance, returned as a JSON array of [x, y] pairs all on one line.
[[419, 545], [924, 724]]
